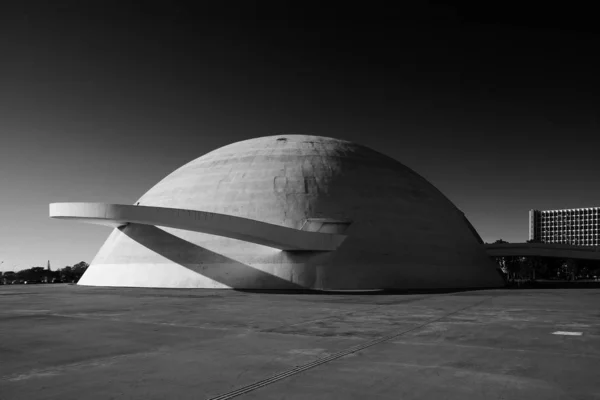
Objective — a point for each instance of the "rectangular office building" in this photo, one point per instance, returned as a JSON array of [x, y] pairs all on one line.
[[577, 226]]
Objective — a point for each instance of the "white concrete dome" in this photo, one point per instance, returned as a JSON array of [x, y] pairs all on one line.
[[403, 232]]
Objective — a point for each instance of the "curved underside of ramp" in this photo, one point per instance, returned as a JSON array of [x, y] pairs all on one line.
[[278, 237]]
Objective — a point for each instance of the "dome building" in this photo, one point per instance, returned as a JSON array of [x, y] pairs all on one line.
[[290, 212]]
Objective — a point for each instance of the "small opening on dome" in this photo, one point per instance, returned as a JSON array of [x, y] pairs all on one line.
[[281, 138]]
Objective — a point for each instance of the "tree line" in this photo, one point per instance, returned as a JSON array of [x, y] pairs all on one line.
[[68, 274], [514, 268], [533, 268]]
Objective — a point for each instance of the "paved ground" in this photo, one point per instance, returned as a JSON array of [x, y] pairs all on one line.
[[70, 342]]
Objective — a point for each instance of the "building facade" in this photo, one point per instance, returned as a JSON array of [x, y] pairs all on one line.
[[576, 226]]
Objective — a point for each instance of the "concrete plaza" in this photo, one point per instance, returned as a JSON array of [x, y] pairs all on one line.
[[75, 342]]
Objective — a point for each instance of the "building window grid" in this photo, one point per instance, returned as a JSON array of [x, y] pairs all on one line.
[[567, 226]]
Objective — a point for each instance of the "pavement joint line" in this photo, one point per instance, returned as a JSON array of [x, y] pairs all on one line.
[[298, 369]]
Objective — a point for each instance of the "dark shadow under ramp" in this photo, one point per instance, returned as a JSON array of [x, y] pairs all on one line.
[[201, 260]]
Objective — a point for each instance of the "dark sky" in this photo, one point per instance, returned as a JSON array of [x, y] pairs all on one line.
[[497, 106]]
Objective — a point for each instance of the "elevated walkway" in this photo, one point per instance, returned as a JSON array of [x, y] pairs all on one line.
[[315, 235], [543, 250]]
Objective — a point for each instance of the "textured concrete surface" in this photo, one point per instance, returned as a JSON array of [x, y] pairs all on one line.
[[404, 233], [73, 342]]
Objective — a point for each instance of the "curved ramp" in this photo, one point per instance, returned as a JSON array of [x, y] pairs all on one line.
[[245, 229]]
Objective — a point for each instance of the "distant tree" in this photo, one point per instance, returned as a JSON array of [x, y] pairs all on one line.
[[594, 268], [24, 274], [46, 275], [31, 274], [541, 267], [79, 269], [38, 274], [55, 275], [502, 261], [583, 269], [9, 276], [527, 270], [506, 263], [554, 266], [571, 269], [535, 267], [66, 274], [514, 267]]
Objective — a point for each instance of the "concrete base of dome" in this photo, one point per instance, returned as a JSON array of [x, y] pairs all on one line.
[[148, 256]]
